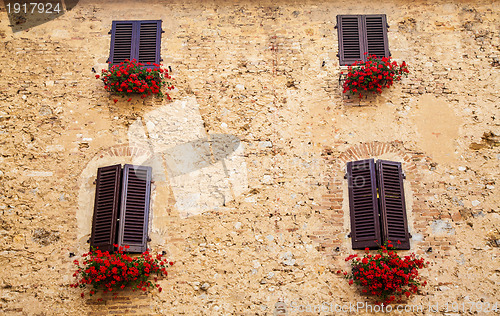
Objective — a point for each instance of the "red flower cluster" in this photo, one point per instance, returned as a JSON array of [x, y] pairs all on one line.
[[386, 275], [131, 77], [373, 75], [111, 272]]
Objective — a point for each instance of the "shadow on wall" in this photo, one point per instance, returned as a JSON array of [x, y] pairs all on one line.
[[193, 155], [24, 15], [204, 171]]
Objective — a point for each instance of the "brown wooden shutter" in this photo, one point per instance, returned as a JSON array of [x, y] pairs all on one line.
[[134, 210], [392, 204], [122, 39], [106, 204], [351, 43], [149, 42], [375, 35], [365, 222]]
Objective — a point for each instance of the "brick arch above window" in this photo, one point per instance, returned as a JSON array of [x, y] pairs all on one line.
[[125, 151], [378, 149]]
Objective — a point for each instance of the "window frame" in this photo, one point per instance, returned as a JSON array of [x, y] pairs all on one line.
[[368, 34], [377, 204], [122, 196], [135, 42]]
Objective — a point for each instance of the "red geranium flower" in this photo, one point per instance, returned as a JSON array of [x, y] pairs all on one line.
[[386, 275], [118, 270], [131, 77], [373, 74]]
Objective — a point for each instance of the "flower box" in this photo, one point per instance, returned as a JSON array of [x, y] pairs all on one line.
[[133, 78], [372, 76], [111, 272], [386, 275]]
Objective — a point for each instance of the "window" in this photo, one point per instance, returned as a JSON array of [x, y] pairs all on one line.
[[121, 208], [139, 40], [360, 34], [377, 204]]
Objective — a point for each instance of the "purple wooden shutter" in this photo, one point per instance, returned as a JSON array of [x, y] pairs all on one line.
[[149, 44], [392, 204], [106, 202], [134, 210], [363, 204], [351, 43], [122, 39], [375, 35]]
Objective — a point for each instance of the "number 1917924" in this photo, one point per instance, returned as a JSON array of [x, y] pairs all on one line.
[[472, 307], [33, 7]]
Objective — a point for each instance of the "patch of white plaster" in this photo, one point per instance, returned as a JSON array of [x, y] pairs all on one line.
[[205, 171]]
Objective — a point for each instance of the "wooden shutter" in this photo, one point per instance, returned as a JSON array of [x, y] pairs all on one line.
[[351, 43], [375, 35], [149, 46], [139, 40], [134, 210], [392, 204], [122, 39], [107, 198], [365, 222]]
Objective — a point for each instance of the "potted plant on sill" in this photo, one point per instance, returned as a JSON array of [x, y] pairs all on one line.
[[372, 75], [386, 276], [110, 272], [134, 78]]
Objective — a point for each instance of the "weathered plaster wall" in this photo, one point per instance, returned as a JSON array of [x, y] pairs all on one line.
[[266, 73]]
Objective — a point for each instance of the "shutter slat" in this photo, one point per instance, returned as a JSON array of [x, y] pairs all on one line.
[[350, 38], [364, 214], [139, 40], [376, 35], [106, 208], [392, 204], [149, 42], [134, 211], [360, 34], [121, 42]]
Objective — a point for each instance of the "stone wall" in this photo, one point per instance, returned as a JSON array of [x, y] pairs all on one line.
[[265, 217]]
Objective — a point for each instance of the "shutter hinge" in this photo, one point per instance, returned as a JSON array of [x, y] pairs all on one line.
[[88, 241], [387, 24], [109, 32], [161, 59], [345, 176], [149, 239], [95, 182], [162, 31], [335, 26], [169, 68], [349, 235], [410, 236], [403, 174]]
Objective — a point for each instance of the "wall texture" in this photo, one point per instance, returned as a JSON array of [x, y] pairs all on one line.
[[265, 216]]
